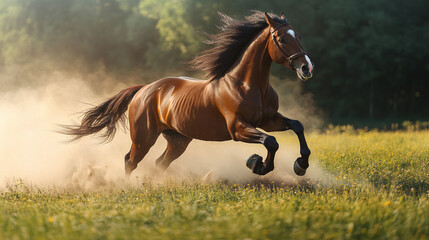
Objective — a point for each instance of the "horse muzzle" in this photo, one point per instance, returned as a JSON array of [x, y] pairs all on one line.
[[304, 70], [303, 74]]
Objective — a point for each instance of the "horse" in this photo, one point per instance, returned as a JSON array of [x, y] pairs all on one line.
[[234, 102]]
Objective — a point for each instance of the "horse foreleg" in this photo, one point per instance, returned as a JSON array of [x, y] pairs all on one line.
[[281, 123], [246, 133]]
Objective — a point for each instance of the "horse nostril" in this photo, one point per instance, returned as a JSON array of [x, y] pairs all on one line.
[[304, 69]]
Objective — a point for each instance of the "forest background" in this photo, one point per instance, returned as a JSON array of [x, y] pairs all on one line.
[[371, 56]]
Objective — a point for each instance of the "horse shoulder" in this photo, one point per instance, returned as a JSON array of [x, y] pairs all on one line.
[[270, 103]]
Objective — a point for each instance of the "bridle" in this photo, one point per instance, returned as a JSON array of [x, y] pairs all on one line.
[[289, 58]]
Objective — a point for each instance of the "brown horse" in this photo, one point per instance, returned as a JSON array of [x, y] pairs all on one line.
[[236, 100]]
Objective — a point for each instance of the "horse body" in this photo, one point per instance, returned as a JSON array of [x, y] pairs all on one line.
[[194, 101], [229, 107]]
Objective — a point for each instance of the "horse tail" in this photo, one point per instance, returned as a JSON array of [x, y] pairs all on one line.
[[104, 116]]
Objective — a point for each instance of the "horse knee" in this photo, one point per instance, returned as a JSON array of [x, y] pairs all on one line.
[[296, 126], [271, 143]]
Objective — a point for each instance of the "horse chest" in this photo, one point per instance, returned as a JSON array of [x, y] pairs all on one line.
[[255, 109]]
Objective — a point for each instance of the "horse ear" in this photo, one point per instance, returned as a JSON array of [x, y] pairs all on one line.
[[282, 16], [270, 21]]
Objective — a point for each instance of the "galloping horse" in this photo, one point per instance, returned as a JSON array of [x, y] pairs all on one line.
[[233, 103]]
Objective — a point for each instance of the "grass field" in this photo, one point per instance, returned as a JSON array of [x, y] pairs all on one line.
[[380, 191]]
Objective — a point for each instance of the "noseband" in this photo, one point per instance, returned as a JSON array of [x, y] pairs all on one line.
[[289, 58]]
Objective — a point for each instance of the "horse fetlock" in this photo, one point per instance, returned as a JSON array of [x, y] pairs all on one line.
[[305, 153], [268, 168], [127, 156], [163, 165], [129, 167]]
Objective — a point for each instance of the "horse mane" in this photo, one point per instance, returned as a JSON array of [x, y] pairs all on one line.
[[230, 43]]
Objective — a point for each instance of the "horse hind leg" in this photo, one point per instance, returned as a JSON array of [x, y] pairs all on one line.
[[127, 160], [135, 155], [142, 142], [176, 146]]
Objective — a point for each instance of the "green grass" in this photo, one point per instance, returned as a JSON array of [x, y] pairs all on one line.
[[389, 160], [381, 193]]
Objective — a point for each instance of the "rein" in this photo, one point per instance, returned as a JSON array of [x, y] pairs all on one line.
[[289, 58]]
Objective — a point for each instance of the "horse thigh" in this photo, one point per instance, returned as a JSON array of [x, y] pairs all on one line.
[[144, 133]]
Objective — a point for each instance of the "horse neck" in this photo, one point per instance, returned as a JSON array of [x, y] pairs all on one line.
[[253, 68]]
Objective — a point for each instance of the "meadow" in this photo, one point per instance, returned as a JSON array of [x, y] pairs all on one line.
[[379, 190]]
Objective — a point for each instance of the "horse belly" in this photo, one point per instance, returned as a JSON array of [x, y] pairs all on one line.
[[187, 109], [204, 125]]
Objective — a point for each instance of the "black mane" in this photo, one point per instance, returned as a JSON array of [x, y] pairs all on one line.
[[230, 43]]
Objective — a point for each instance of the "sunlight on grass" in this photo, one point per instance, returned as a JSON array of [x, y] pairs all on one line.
[[382, 192]]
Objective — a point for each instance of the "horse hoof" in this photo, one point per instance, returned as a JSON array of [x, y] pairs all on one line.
[[300, 171], [254, 162]]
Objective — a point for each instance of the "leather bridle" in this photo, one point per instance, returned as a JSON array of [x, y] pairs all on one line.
[[289, 58]]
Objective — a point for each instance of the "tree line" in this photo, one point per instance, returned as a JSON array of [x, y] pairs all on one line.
[[371, 56]]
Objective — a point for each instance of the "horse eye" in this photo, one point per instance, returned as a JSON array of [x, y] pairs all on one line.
[[282, 41]]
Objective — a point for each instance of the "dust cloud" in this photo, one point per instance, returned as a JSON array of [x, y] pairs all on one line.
[[31, 151]]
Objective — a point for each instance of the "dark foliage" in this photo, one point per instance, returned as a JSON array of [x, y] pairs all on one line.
[[372, 55]]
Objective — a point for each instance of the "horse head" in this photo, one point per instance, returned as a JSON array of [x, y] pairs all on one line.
[[285, 48]]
